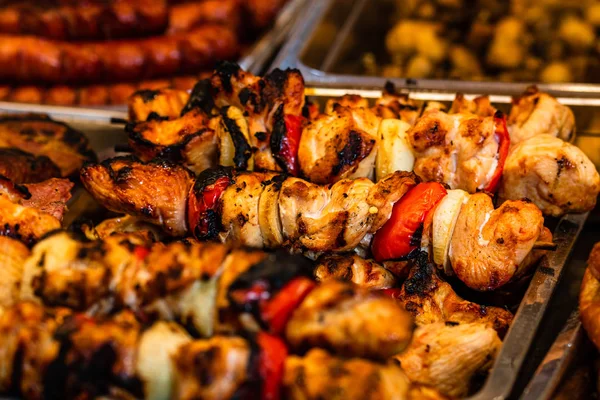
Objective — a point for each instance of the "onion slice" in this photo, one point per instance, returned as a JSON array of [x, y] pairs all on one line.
[[395, 152], [444, 220]]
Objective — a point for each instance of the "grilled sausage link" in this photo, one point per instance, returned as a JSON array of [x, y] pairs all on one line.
[[30, 60]]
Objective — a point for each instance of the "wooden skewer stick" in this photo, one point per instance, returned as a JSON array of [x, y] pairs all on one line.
[[545, 246]]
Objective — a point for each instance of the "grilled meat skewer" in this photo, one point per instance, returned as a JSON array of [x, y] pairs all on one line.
[[270, 210], [211, 288]]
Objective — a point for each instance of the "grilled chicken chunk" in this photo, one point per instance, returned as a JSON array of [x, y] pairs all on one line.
[[186, 140], [536, 113], [555, 175], [340, 144], [319, 375], [448, 356], [22, 167], [355, 269], [41, 136], [164, 103], [488, 247], [479, 106], [457, 149], [431, 300], [156, 191], [351, 321]]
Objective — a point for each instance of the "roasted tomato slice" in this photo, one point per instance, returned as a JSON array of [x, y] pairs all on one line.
[[503, 138], [401, 234], [203, 219], [271, 364], [285, 140]]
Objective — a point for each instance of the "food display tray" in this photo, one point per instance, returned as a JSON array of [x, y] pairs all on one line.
[[319, 39], [105, 131]]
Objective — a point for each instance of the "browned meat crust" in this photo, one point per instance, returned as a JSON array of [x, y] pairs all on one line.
[[22, 167], [100, 20], [33, 60], [41, 136]]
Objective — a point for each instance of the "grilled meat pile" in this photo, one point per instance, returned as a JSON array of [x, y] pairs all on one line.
[[268, 250], [97, 52]]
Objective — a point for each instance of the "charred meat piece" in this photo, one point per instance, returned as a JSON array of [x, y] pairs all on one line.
[[431, 300], [29, 211], [555, 175], [41, 136], [22, 167], [164, 103], [355, 269], [156, 191]]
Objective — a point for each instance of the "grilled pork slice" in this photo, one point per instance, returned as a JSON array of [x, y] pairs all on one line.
[[22, 167], [319, 375], [355, 269], [431, 300], [448, 356], [41, 136], [155, 191], [488, 247], [163, 103], [457, 149], [555, 175], [350, 320], [536, 113]]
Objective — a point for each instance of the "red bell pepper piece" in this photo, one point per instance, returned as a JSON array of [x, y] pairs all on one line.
[[396, 239], [271, 365], [277, 311], [140, 252], [199, 206], [503, 138], [285, 141]]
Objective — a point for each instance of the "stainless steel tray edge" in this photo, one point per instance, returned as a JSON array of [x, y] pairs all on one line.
[[291, 53]]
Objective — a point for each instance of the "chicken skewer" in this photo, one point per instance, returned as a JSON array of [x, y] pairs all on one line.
[[466, 148], [269, 210], [58, 353], [211, 288]]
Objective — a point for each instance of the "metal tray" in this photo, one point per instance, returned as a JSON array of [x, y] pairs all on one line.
[[342, 18], [104, 134]]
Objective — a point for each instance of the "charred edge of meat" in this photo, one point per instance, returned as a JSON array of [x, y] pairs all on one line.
[[22, 189], [351, 152], [276, 181], [71, 137], [226, 70], [243, 151], [34, 162], [213, 218], [13, 232], [498, 114], [278, 78], [200, 98], [421, 281], [120, 175], [277, 136], [154, 116], [146, 95], [274, 272], [248, 96]]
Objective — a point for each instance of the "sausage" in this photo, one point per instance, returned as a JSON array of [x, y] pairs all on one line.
[[186, 16], [27, 59], [92, 95], [86, 20]]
